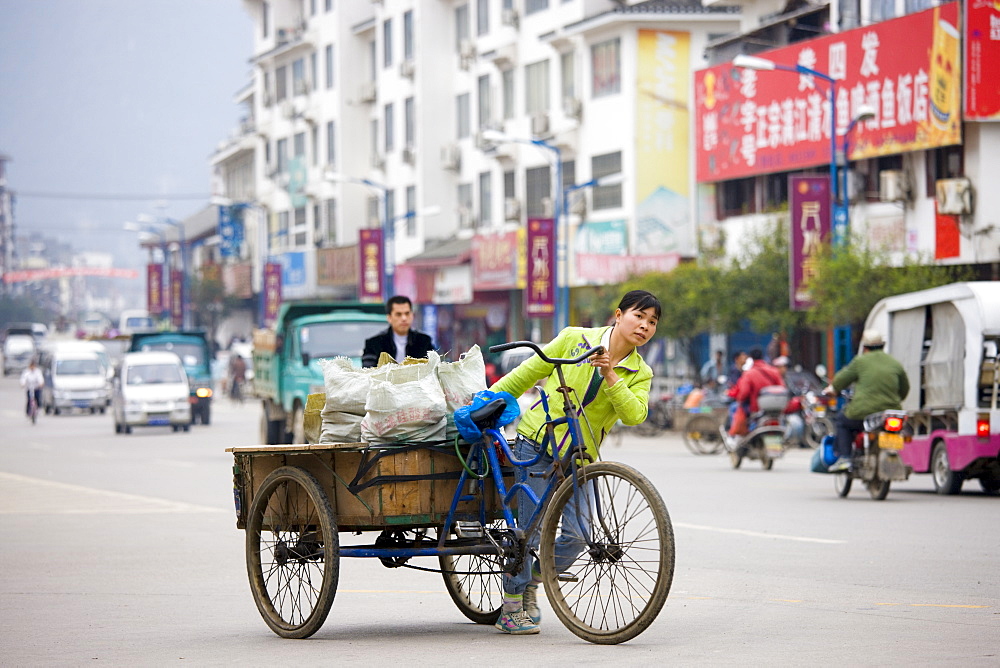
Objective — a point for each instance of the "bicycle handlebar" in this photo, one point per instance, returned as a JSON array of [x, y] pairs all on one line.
[[596, 350]]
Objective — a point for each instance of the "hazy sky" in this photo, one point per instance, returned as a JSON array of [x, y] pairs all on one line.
[[116, 97]]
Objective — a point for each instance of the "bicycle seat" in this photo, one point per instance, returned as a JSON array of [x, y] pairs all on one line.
[[486, 416]]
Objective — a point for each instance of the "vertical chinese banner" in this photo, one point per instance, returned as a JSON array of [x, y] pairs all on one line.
[[272, 292], [177, 297], [540, 300], [370, 265], [982, 58], [154, 289], [810, 207]]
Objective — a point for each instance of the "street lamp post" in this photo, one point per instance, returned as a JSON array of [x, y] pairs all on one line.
[[388, 237], [562, 267], [185, 297]]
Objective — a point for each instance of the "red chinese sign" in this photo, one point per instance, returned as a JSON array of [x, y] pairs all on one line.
[[907, 70], [272, 292], [809, 200], [982, 60], [177, 297], [370, 264], [495, 262], [540, 299], [154, 288]]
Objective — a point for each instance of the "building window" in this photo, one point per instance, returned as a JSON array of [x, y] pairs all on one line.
[[409, 122], [314, 144], [313, 71], [282, 151], [606, 197], [281, 83], [461, 25], [532, 6], [373, 219], [300, 230], [331, 144], [509, 191], [328, 5], [299, 86], [329, 66], [485, 110], [606, 66], [317, 226], [482, 17], [507, 77], [411, 208], [373, 128], [387, 42], [775, 192], [462, 115], [281, 242], [485, 200], [568, 66], [465, 205], [408, 35], [372, 61], [568, 174], [536, 87], [943, 163], [267, 89], [735, 198], [331, 221], [265, 18], [299, 144], [312, 7], [538, 189], [882, 9], [390, 206], [390, 124]]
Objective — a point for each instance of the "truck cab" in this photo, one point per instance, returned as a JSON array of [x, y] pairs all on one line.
[[193, 348], [286, 358], [948, 341]]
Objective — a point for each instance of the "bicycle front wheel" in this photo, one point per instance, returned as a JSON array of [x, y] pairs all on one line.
[[607, 553]]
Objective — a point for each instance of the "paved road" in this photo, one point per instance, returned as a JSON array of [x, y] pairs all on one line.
[[123, 550]]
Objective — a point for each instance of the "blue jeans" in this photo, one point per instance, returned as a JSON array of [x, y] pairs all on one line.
[[571, 542]]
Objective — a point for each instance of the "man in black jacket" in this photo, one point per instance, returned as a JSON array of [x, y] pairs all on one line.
[[399, 340]]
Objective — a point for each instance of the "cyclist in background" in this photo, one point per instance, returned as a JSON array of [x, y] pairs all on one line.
[[614, 385], [32, 381]]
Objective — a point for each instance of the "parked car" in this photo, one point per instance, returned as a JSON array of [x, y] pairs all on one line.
[[18, 349], [151, 389], [75, 377]]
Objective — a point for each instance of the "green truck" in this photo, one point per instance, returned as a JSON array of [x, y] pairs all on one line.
[[193, 347], [286, 358]]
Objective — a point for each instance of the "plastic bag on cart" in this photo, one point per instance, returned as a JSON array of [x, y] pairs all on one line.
[[405, 403], [460, 380], [468, 429], [346, 391]]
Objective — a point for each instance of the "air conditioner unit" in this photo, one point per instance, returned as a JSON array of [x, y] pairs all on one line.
[[509, 17], [367, 91], [467, 49], [451, 157], [481, 143], [511, 208], [573, 107], [378, 161], [893, 186], [954, 196], [288, 109], [407, 69], [540, 124], [409, 155]]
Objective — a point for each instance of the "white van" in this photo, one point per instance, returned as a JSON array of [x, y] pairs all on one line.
[[948, 341], [151, 388], [75, 377], [135, 321]]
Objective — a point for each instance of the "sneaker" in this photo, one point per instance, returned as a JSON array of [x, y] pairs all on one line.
[[517, 623], [531, 603], [842, 464]]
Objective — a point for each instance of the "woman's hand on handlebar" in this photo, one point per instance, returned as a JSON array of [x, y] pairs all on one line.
[[601, 360]]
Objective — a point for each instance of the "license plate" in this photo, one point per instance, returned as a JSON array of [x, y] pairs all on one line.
[[81, 404], [820, 411], [156, 422], [772, 443], [888, 441]]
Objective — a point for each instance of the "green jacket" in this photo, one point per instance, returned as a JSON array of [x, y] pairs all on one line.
[[881, 384], [626, 400]]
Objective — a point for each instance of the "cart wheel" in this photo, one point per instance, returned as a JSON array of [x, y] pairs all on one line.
[[701, 435], [611, 591], [475, 584], [842, 484], [293, 552]]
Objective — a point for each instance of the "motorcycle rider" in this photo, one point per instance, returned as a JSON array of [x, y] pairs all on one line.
[[880, 384], [752, 380]]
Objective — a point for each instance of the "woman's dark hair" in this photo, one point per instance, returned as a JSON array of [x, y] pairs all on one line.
[[640, 300]]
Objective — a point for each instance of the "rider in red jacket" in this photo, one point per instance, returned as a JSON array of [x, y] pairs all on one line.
[[759, 376]]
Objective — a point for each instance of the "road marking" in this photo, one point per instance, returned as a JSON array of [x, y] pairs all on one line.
[[760, 534], [787, 600], [23, 495]]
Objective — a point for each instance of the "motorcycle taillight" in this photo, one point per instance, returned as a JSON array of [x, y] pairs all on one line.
[[983, 427], [893, 423]]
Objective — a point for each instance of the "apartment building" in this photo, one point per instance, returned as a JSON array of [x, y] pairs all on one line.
[[441, 128]]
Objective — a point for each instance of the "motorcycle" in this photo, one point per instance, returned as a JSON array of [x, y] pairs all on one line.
[[875, 456], [817, 411], [765, 438]]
